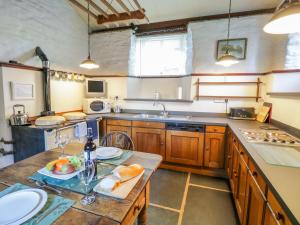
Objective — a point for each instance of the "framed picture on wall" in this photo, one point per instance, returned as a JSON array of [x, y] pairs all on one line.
[[21, 91], [237, 47]]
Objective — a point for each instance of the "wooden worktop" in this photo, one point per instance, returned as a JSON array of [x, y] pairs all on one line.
[[106, 210]]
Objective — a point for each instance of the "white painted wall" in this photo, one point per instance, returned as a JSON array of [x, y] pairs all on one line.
[[55, 27]]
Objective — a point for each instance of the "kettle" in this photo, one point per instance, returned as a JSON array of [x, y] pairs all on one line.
[[20, 118]]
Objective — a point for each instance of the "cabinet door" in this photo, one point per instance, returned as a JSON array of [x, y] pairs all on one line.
[[229, 154], [240, 193], [111, 128], [214, 150], [233, 178], [185, 147], [254, 204], [149, 140]]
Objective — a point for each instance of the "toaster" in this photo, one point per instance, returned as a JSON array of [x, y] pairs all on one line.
[[242, 113]]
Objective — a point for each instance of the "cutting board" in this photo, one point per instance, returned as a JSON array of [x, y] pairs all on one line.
[[123, 190], [263, 114]]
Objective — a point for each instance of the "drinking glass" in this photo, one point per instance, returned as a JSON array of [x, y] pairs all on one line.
[[86, 176], [62, 141]]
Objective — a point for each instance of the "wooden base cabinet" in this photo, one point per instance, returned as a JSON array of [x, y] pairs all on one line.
[[149, 140], [214, 150], [255, 203], [185, 147]]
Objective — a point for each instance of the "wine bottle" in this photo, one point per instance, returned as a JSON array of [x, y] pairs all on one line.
[[90, 149]]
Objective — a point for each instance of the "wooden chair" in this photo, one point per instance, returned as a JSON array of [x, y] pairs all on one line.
[[117, 139]]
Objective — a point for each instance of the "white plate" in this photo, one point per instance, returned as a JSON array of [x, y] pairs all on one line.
[[123, 190], [48, 173], [108, 152], [20, 206]]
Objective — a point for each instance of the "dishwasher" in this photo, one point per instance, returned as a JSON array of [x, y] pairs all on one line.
[[185, 143]]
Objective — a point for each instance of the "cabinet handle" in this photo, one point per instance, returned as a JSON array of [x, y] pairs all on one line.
[[278, 216], [207, 148], [229, 157], [254, 173], [136, 209], [242, 153], [162, 143]]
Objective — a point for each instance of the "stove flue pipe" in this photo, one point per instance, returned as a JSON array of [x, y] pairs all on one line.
[[46, 82]]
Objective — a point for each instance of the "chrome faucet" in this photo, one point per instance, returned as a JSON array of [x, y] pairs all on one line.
[[164, 113]]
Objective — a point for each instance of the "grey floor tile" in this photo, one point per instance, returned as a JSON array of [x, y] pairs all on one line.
[[167, 187], [158, 216], [209, 181], [208, 207]]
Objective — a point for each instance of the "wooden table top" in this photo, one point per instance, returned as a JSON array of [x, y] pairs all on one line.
[[106, 210]]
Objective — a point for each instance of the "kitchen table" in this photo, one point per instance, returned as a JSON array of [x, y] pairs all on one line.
[[105, 210]]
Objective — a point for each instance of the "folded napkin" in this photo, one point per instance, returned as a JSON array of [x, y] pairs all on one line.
[[93, 123], [81, 130], [56, 205]]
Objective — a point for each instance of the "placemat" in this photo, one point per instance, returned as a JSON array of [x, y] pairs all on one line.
[[119, 160], [58, 204], [74, 184], [279, 155]]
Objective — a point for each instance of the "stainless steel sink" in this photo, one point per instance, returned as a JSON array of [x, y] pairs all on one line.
[[161, 117]]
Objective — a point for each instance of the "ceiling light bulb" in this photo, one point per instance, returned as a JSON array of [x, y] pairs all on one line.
[[227, 60], [285, 20]]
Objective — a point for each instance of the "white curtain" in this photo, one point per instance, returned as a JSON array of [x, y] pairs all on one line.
[[292, 59]]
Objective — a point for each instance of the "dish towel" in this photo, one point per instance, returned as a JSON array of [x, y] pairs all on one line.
[[93, 123], [81, 130]]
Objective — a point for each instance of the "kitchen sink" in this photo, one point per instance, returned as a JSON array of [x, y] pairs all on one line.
[[161, 117]]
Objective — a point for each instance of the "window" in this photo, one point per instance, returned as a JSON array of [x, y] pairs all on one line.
[[159, 55], [292, 59]]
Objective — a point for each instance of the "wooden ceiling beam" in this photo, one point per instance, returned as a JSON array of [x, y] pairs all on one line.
[[122, 16], [139, 6], [78, 5], [98, 8], [111, 8], [121, 3]]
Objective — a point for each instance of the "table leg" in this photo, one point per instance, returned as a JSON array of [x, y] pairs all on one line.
[[142, 217]]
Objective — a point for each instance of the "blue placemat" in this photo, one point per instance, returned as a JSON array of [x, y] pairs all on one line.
[[74, 184], [58, 204], [120, 160]]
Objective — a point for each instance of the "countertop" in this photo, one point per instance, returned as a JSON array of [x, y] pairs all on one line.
[[284, 182]]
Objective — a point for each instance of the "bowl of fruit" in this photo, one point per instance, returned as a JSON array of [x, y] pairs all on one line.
[[64, 165]]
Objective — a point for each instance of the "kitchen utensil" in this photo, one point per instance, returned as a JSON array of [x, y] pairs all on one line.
[[28, 203], [44, 184], [47, 213], [20, 118]]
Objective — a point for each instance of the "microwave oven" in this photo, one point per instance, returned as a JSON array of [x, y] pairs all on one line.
[[96, 105]]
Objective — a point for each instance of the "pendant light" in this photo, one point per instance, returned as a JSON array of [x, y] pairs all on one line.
[[89, 63], [285, 19], [227, 59]]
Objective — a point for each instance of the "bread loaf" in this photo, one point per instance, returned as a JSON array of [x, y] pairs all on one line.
[[128, 172]]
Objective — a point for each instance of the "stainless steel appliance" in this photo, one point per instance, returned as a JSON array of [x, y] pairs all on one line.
[[242, 113], [20, 118], [275, 137]]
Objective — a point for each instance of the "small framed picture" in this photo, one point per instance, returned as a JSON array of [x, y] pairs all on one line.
[[21, 91], [237, 47]]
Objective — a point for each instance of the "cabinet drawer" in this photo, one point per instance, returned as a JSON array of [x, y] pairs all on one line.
[[148, 124], [277, 212], [119, 122], [112, 128], [135, 209], [257, 176], [215, 129]]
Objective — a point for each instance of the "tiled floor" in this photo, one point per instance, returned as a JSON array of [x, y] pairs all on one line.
[[188, 199]]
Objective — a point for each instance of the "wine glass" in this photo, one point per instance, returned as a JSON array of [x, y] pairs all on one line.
[[62, 141], [86, 176]]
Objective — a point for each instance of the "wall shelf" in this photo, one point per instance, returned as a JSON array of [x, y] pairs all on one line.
[[160, 100], [288, 94], [256, 97]]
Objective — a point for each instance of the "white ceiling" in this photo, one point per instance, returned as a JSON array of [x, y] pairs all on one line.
[[163, 10]]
